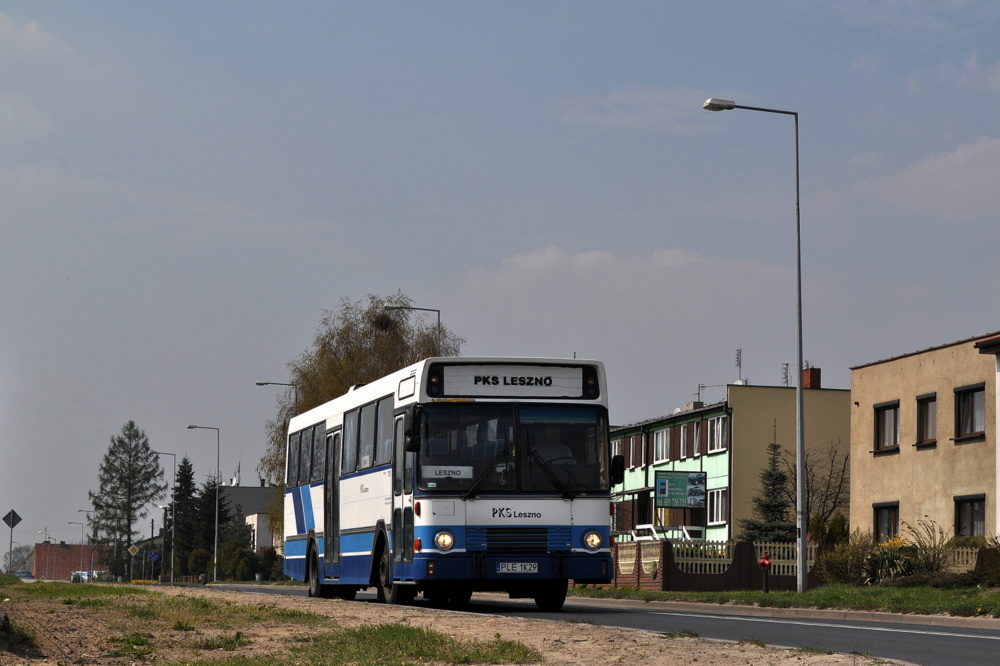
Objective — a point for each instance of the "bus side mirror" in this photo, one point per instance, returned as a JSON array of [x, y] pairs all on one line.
[[617, 470], [411, 428]]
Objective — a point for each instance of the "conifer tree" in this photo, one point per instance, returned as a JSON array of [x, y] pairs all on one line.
[[771, 507], [183, 513], [129, 479]]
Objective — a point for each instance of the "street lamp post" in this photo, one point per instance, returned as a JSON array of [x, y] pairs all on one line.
[[45, 531], [90, 572], [82, 528], [801, 519], [437, 342], [173, 512], [295, 390], [218, 482]]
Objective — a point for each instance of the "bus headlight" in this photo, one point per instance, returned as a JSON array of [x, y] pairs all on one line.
[[592, 540], [444, 540]]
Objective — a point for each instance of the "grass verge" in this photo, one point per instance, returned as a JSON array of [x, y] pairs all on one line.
[[968, 602], [177, 629]]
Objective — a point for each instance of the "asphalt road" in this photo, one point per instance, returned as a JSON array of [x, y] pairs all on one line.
[[931, 640]]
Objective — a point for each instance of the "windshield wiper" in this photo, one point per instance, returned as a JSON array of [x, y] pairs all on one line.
[[481, 479], [551, 475]]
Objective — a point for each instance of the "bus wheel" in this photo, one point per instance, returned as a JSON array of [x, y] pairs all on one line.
[[386, 591], [551, 596], [315, 589]]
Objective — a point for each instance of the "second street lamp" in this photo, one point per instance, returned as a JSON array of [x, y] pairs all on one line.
[[295, 390], [82, 529], [173, 514], [218, 482], [801, 519]]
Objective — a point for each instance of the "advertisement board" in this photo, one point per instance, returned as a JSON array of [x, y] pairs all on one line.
[[680, 490]]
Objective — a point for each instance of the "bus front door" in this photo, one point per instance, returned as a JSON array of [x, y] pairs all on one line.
[[402, 505], [331, 501]]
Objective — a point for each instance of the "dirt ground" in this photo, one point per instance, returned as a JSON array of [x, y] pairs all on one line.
[[67, 634]]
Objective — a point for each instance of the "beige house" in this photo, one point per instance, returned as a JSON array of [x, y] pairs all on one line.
[[923, 440]]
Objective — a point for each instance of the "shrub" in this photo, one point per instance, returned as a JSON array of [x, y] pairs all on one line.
[[886, 562], [931, 550], [243, 570], [199, 562], [845, 563]]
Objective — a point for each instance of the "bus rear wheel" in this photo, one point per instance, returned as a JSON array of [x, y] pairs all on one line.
[[316, 589], [387, 591], [551, 596]]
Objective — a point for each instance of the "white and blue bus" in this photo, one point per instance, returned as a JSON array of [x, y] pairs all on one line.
[[452, 476]]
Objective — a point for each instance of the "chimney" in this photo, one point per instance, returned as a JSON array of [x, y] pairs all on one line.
[[811, 378]]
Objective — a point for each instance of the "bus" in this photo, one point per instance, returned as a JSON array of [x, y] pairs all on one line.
[[454, 476]]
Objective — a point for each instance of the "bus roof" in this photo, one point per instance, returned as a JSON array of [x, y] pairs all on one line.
[[393, 382]]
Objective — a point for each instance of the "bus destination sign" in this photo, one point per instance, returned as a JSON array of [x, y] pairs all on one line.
[[505, 381]]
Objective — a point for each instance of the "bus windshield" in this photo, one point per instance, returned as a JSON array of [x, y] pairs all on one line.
[[508, 448]]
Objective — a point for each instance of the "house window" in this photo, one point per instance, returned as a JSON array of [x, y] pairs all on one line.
[[661, 445], [926, 419], [970, 411], [887, 426], [970, 516], [684, 441], [638, 451], [886, 521], [697, 438], [616, 447], [718, 435], [718, 506]]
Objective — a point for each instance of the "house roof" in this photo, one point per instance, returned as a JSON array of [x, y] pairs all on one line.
[[978, 340], [989, 346], [677, 415]]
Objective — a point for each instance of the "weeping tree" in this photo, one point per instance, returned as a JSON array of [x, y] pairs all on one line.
[[129, 479], [354, 344]]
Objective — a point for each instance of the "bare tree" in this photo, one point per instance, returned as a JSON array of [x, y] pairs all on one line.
[[14, 560], [828, 481]]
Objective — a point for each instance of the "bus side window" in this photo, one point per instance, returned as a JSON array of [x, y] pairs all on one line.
[[383, 438], [292, 460], [350, 454], [397, 472], [305, 455], [367, 436], [319, 452]]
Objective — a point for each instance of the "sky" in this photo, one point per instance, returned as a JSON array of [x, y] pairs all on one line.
[[186, 187]]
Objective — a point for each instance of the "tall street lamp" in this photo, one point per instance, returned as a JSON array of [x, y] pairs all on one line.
[[82, 528], [173, 512], [90, 572], [801, 519], [218, 482], [45, 531], [295, 390], [408, 307]]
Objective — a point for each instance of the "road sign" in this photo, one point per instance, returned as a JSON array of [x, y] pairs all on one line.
[[153, 556], [12, 519], [133, 549]]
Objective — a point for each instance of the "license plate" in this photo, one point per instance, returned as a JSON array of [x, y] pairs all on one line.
[[517, 567]]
